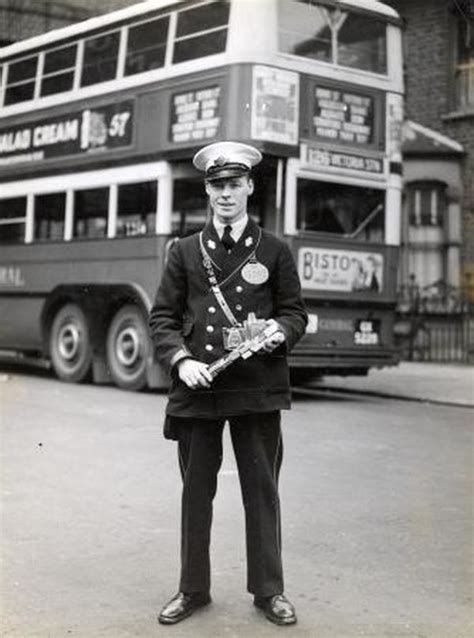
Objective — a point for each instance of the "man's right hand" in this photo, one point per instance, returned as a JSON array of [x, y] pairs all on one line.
[[194, 373]]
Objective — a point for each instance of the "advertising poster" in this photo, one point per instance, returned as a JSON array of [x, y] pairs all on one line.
[[102, 128], [275, 99], [340, 270]]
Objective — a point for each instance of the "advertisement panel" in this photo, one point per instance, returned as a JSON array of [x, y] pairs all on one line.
[[338, 270], [91, 130], [275, 104]]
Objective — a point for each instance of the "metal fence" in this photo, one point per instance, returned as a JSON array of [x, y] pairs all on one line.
[[435, 324]]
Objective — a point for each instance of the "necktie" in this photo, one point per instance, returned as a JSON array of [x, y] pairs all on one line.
[[227, 240]]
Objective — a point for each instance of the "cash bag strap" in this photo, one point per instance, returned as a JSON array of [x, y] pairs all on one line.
[[206, 260]]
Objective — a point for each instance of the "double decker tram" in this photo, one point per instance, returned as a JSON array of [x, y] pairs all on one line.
[[99, 122]]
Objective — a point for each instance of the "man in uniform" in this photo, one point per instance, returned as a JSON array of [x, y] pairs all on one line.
[[220, 288]]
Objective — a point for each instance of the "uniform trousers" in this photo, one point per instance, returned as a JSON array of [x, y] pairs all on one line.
[[257, 444]]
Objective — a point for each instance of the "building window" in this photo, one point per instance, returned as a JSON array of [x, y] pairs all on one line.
[[426, 204], [136, 210], [464, 67], [49, 217], [100, 59], [340, 37], [91, 213], [21, 78], [146, 47], [12, 220], [426, 241], [58, 70], [201, 31]]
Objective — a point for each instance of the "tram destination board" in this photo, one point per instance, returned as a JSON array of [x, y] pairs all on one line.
[[342, 116]]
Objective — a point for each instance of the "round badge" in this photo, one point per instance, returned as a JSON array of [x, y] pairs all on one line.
[[255, 273]]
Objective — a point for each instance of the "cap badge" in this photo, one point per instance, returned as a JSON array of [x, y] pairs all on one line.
[[220, 161]]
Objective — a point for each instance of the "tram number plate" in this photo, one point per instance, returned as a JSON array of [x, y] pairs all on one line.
[[367, 332]]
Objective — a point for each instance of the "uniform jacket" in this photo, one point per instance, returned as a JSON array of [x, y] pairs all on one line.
[[187, 317]]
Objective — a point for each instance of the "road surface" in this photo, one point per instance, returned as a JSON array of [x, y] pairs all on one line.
[[376, 505]]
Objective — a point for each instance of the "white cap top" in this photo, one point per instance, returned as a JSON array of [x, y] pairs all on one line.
[[226, 159]]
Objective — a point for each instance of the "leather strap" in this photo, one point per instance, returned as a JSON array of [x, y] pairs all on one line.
[[215, 286]]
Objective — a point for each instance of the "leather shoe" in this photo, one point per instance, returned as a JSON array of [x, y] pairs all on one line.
[[181, 606], [277, 608]]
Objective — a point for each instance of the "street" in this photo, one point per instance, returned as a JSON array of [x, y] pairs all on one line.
[[376, 505]]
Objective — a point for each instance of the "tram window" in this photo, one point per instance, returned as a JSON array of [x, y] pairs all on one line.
[[12, 220], [304, 31], [90, 213], [21, 80], [362, 43], [49, 217], [200, 46], [58, 71], [146, 46], [352, 211], [136, 210], [201, 18], [201, 31], [100, 59], [190, 209]]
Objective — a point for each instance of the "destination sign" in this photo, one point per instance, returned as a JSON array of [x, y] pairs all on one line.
[[343, 116], [323, 158], [90, 130], [195, 115]]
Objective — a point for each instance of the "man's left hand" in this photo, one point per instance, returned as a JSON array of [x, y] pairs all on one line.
[[276, 339]]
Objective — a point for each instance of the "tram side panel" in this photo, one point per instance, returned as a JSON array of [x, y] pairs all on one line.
[[62, 301]]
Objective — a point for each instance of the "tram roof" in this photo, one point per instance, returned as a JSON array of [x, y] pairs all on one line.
[[136, 10]]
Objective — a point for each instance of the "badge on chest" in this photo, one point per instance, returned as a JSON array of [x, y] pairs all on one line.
[[254, 272]]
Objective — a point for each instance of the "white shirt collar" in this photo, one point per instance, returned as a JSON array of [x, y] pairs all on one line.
[[238, 227]]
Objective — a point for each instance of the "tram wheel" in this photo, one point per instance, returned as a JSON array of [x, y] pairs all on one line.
[[128, 348], [69, 344]]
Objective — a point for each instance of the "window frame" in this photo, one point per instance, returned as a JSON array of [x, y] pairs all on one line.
[[32, 80], [46, 75], [15, 221]]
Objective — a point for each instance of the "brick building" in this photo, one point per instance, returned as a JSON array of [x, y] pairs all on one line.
[[439, 150]]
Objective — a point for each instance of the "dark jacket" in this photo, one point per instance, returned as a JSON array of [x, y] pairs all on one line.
[[187, 317]]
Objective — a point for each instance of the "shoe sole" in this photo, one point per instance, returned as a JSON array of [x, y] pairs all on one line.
[[165, 620]]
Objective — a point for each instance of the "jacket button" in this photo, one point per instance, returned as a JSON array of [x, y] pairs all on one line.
[[238, 288], [209, 348], [238, 307], [211, 309], [210, 328]]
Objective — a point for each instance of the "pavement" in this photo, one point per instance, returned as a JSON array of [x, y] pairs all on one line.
[[446, 384]]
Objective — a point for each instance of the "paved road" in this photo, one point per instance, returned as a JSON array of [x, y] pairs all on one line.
[[377, 518]]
